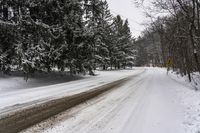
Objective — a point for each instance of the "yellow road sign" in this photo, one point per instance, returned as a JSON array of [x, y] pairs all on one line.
[[169, 63]]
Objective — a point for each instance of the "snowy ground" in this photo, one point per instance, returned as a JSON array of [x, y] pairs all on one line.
[[152, 102], [190, 98], [194, 84], [16, 81]]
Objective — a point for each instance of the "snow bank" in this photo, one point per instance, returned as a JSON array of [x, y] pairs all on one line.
[[190, 98], [16, 81], [195, 83]]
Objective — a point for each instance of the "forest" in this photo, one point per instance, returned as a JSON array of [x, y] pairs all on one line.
[[81, 36], [75, 35], [173, 37], [100, 66]]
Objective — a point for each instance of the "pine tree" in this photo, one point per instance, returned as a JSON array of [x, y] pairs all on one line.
[[123, 44], [102, 39], [8, 36], [118, 53], [73, 32], [78, 35], [97, 19], [127, 43]]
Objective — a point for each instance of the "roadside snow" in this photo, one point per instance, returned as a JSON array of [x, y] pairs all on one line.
[[16, 81], [152, 102], [194, 84], [190, 98]]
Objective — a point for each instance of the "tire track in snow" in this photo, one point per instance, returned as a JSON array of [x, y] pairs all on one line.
[[22, 119], [104, 114]]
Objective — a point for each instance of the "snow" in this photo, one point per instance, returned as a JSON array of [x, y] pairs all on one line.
[[195, 83], [17, 98], [16, 81], [151, 102], [190, 98]]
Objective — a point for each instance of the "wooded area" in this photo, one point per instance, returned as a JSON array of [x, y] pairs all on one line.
[[77, 35], [173, 36], [82, 35]]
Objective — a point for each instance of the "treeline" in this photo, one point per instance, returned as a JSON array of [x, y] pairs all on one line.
[[176, 36], [78, 35]]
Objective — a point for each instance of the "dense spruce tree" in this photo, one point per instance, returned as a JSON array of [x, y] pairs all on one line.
[[72, 33], [127, 48], [8, 36], [93, 11], [103, 37], [78, 35], [123, 49], [118, 52]]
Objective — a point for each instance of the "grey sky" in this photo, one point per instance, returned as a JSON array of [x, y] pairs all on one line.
[[127, 9]]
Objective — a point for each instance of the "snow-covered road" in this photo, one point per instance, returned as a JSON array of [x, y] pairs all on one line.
[[148, 103], [19, 98]]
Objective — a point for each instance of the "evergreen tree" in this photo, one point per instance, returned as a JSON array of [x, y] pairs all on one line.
[[124, 48], [128, 48], [92, 16], [119, 51], [103, 35], [8, 36], [78, 35]]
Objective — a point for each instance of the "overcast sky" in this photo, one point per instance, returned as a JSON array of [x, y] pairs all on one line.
[[127, 9]]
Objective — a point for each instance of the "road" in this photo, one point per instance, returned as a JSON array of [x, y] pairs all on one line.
[[20, 109], [20, 98], [145, 104]]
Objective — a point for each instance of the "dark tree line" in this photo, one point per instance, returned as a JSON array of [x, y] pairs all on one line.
[[78, 35], [177, 33]]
